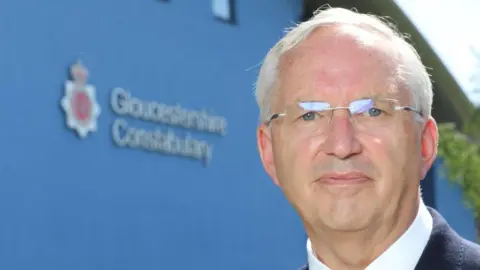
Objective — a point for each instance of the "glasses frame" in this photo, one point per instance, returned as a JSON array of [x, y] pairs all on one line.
[[396, 108]]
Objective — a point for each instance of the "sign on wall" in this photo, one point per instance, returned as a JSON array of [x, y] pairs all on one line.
[[82, 111], [125, 135]]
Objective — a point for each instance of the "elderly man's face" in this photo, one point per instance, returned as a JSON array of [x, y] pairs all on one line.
[[348, 175]]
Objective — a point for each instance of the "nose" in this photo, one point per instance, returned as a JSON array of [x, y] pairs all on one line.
[[341, 140]]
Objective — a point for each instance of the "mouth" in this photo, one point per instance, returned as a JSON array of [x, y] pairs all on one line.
[[344, 179]]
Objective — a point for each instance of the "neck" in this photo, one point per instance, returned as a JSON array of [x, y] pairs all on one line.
[[357, 249]]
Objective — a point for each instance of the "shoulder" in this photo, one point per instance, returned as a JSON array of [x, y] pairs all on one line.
[[471, 255], [446, 248]]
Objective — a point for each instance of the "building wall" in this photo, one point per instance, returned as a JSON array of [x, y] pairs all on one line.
[[73, 203]]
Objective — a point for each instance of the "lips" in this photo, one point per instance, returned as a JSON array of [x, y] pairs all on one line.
[[350, 178]]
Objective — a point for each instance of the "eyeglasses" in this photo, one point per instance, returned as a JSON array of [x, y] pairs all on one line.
[[316, 116]]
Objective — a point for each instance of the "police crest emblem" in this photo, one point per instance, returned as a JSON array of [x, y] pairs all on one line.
[[79, 103]]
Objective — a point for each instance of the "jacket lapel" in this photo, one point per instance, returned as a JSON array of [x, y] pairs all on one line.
[[444, 248]]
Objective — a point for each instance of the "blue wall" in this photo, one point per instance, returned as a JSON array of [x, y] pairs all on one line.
[[449, 201], [68, 203]]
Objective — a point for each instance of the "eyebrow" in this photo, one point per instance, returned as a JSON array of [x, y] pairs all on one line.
[[377, 96]]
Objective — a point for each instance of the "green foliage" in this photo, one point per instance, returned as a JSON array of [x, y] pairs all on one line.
[[460, 151], [472, 128]]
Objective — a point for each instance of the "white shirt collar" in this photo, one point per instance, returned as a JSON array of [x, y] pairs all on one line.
[[403, 254]]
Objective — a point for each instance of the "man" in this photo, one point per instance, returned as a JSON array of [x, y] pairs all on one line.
[[347, 134]]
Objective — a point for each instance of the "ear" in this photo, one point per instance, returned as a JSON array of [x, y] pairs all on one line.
[[429, 145], [264, 143]]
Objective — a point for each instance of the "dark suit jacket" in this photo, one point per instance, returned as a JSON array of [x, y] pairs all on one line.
[[445, 249]]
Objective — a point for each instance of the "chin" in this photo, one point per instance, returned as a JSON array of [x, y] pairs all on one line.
[[346, 218], [348, 225]]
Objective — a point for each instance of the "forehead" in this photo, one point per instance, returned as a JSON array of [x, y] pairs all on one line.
[[337, 64]]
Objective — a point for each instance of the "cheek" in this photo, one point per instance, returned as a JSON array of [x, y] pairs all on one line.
[[393, 154], [391, 145], [380, 150], [293, 159], [385, 154], [407, 147]]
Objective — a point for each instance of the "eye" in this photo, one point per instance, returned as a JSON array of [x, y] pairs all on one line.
[[373, 112], [309, 116]]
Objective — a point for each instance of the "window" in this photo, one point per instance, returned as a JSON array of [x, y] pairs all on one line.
[[224, 10]]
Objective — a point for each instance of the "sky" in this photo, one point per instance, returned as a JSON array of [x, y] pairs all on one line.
[[452, 31]]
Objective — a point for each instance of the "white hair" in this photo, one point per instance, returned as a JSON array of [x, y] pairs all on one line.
[[411, 70]]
